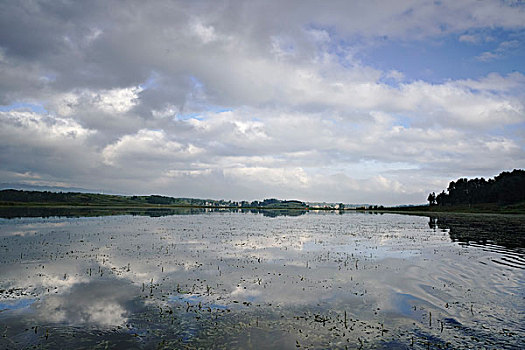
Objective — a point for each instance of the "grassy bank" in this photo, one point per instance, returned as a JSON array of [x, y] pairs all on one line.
[[485, 208]]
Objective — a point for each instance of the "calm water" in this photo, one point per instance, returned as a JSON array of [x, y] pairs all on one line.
[[254, 280]]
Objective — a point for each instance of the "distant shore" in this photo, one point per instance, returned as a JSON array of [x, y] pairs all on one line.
[[492, 208], [74, 200], [141, 206]]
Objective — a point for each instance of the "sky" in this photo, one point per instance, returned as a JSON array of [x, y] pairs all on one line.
[[377, 102]]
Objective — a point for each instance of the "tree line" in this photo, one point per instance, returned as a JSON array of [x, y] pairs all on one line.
[[506, 188], [78, 198]]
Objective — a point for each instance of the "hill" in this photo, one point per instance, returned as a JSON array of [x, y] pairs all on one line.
[[12, 197]]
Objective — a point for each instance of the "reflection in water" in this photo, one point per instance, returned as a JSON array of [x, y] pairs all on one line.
[[72, 212], [504, 230], [96, 303], [273, 213], [257, 280], [502, 235]]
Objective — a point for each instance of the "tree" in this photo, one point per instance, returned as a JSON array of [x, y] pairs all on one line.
[[431, 198], [441, 199], [506, 188]]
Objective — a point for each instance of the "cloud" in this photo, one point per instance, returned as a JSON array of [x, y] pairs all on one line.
[[93, 303], [205, 33], [44, 126], [395, 75], [470, 38], [145, 148], [289, 177], [502, 50], [111, 101], [513, 82], [246, 100]]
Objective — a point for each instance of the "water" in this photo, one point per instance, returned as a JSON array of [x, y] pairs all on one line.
[[262, 281]]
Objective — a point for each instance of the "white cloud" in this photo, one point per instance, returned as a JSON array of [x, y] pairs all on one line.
[[502, 50], [396, 75], [468, 38], [188, 173], [292, 177], [167, 112], [513, 82], [110, 101], [35, 126], [488, 56], [116, 100], [147, 147], [205, 33]]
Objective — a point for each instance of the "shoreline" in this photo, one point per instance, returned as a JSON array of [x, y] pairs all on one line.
[[416, 210]]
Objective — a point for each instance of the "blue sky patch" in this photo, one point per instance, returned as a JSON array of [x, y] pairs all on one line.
[[453, 57], [36, 108]]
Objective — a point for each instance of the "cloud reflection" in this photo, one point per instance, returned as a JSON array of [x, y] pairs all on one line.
[[97, 303]]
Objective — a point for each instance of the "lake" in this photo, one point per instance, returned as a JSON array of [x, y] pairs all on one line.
[[261, 280]]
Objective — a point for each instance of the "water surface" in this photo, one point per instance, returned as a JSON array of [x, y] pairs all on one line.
[[262, 280]]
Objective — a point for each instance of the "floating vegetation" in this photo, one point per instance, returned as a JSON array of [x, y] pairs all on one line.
[[249, 280]]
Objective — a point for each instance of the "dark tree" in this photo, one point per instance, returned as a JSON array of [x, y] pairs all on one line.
[[506, 188], [431, 198], [442, 199]]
